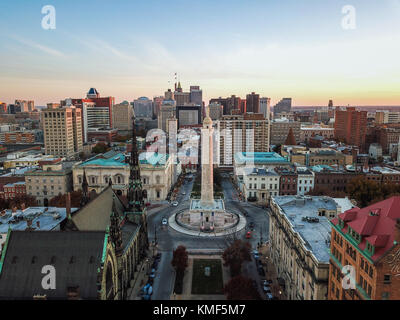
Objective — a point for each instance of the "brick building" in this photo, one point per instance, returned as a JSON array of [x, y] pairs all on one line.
[[351, 126], [368, 240], [287, 181]]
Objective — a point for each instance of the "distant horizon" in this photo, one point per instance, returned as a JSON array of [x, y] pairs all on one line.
[[128, 49]]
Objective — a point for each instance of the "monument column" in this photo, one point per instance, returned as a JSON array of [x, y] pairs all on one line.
[[207, 179]]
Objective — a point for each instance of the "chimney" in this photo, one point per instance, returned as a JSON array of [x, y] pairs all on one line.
[[68, 205]]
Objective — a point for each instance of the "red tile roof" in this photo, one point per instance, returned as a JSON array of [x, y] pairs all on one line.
[[375, 223]]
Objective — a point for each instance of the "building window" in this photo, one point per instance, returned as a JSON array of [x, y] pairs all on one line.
[[387, 279]]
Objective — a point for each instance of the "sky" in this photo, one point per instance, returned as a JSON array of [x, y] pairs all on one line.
[[128, 49]]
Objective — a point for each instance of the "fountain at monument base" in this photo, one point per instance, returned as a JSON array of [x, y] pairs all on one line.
[[208, 217]]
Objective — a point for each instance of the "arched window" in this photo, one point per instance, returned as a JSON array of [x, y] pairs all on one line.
[[105, 179], [109, 283]]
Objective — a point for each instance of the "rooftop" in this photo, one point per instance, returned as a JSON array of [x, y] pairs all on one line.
[[105, 161], [48, 217], [316, 235], [153, 158], [376, 224], [259, 158]]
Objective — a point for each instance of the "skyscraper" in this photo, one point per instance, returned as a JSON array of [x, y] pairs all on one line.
[[351, 126], [143, 108], [265, 106], [62, 130], [196, 95], [253, 103], [285, 105]]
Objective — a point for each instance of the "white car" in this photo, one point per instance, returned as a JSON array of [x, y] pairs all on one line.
[[175, 203], [164, 221], [183, 192]]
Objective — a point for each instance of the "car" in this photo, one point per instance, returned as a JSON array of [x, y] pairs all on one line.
[[269, 296], [251, 225], [155, 264], [158, 256], [175, 203], [183, 192], [261, 271], [267, 282], [248, 235], [152, 275], [267, 289], [256, 256], [255, 252], [164, 221]]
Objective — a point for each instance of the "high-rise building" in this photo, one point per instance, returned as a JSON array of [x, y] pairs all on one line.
[[285, 105], [230, 104], [196, 95], [122, 116], [385, 116], [351, 126], [93, 96], [188, 115], [253, 103], [143, 108], [241, 133], [265, 106], [25, 105], [280, 130], [216, 111], [167, 111], [169, 95], [62, 130], [157, 102], [367, 242]]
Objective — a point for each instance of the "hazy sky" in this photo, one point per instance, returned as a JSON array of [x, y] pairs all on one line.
[[128, 49]]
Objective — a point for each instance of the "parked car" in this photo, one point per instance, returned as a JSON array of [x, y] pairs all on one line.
[[267, 282], [269, 296], [175, 203], [251, 225], [261, 271], [155, 264], [164, 221], [158, 256], [183, 192], [256, 256], [267, 289], [248, 235]]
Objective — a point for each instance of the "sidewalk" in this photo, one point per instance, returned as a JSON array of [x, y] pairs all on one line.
[[271, 273], [140, 277]]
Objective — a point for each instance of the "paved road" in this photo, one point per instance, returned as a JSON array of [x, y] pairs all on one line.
[[168, 239]]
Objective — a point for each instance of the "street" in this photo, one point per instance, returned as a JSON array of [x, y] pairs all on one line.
[[168, 239]]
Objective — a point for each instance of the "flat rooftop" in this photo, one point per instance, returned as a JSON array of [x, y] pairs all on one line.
[[48, 217], [316, 235], [259, 158]]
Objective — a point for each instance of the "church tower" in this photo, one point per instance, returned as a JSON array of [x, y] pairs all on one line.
[[136, 195]]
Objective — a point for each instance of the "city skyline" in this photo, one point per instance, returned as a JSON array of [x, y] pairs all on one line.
[[128, 50]]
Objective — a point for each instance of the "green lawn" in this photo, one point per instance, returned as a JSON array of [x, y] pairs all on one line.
[[202, 284]]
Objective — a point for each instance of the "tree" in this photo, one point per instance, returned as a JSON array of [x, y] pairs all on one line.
[[100, 147], [241, 288], [60, 200], [18, 201], [180, 259], [364, 191], [235, 255], [321, 191]]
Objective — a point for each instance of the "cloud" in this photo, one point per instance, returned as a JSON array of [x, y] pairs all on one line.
[[39, 46]]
